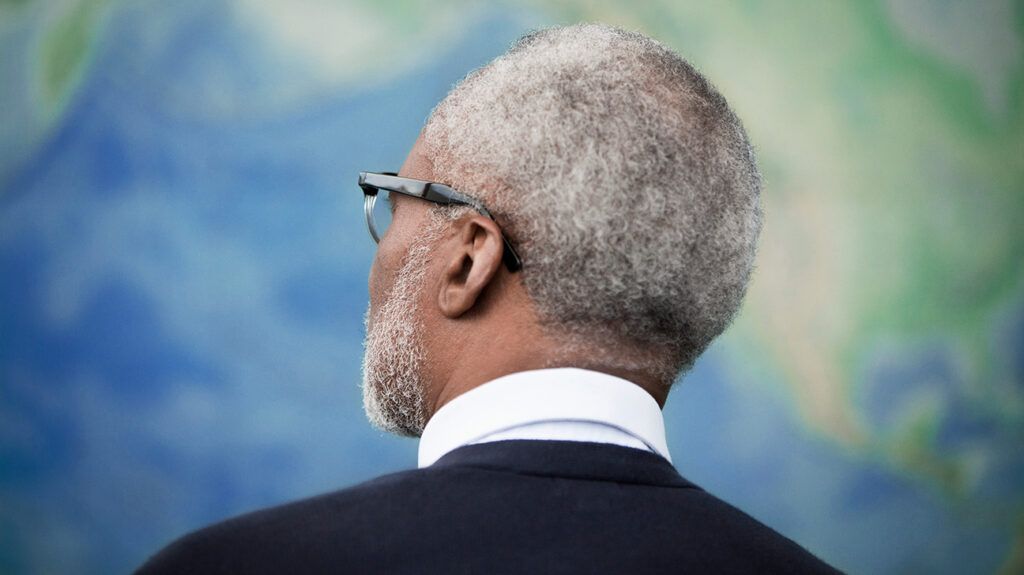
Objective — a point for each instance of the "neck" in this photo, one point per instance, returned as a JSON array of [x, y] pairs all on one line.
[[515, 348], [503, 335], [471, 361]]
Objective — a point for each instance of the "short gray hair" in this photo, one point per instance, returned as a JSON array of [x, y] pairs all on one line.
[[624, 180]]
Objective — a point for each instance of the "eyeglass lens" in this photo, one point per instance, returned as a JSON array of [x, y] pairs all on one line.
[[382, 212]]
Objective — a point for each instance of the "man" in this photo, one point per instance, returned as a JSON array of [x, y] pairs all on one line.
[[575, 224]]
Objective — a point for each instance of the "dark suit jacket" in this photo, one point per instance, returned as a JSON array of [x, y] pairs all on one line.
[[503, 507]]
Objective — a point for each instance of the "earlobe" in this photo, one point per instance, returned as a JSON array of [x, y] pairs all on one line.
[[472, 262]]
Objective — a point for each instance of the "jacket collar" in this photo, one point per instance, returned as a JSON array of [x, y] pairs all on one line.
[[568, 459]]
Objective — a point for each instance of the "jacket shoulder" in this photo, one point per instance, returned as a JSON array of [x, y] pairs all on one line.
[[483, 519], [285, 538]]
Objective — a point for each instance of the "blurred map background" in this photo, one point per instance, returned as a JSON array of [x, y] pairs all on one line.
[[183, 264]]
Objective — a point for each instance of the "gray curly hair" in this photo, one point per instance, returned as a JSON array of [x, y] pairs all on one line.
[[626, 183]]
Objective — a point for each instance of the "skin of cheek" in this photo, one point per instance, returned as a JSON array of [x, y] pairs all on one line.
[[408, 217], [374, 283]]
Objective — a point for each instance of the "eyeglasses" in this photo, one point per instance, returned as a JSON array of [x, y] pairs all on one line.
[[378, 214]]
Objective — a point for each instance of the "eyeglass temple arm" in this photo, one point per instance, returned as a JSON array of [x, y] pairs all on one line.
[[510, 257], [442, 194], [437, 193]]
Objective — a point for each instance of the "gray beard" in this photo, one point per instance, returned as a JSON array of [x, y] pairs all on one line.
[[394, 396]]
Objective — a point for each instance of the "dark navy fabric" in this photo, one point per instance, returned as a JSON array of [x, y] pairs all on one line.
[[505, 507]]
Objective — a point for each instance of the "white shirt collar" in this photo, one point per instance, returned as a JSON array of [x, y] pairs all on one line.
[[557, 398]]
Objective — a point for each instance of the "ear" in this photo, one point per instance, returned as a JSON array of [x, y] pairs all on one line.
[[471, 264]]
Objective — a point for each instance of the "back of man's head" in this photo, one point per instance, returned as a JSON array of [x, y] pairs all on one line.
[[624, 180]]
